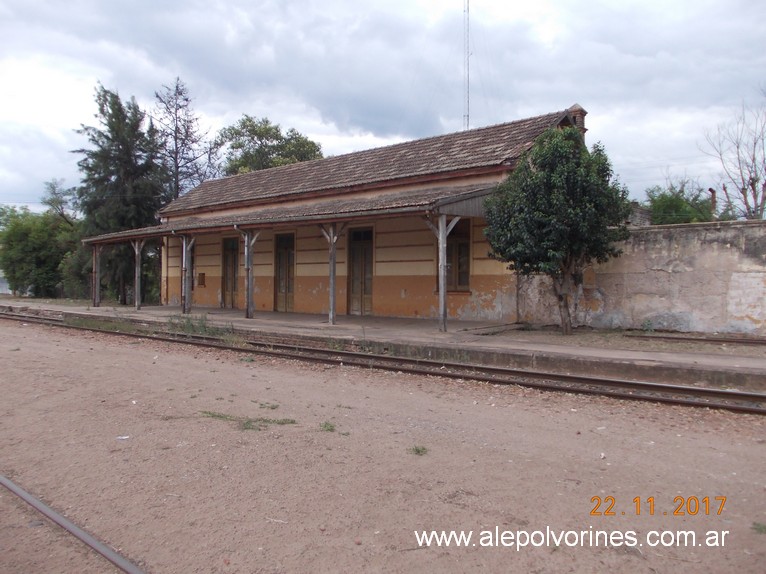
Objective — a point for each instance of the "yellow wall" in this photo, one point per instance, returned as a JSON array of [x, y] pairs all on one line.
[[404, 281], [404, 273]]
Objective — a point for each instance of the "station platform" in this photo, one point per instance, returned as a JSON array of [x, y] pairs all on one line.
[[725, 364]]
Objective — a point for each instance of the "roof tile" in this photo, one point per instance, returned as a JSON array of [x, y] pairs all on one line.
[[484, 147]]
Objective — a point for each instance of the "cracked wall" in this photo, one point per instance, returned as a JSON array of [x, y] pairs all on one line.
[[698, 277]]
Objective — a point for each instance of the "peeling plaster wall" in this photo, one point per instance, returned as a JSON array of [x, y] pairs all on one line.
[[493, 288], [698, 277]]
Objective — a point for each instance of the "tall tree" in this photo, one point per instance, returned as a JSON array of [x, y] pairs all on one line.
[[124, 182], [559, 210], [740, 147], [680, 201], [185, 151], [253, 144]]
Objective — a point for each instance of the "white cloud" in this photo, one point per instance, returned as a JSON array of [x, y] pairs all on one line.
[[46, 91]]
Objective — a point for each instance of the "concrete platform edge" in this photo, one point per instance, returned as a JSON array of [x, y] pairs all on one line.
[[729, 377]]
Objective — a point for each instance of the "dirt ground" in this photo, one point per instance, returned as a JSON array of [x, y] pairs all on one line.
[[175, 456]]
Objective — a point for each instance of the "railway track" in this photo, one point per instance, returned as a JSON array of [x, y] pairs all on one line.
[[118, 560], [713, 339], [749, 402], [696, 396]]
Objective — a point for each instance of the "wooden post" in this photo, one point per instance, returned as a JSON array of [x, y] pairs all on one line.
[[331, 234], [138, 246], [247, 236], [442, 240], [249, 240], [164, 270], [186, 273], [96, 276], [183, 274], [442, 230]]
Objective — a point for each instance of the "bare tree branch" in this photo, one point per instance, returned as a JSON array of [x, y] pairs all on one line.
[[740, 147]]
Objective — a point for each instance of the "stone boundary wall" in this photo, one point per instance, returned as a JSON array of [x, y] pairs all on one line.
[[702, 277]]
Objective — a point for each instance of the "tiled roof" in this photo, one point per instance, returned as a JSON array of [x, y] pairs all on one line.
[[338, 208], [478, 148]]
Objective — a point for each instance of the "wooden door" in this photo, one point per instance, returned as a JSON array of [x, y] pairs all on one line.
[[230, 272], [284, 273], [360, 272]]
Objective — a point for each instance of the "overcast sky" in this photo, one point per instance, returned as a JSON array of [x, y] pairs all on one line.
[[356, 74]]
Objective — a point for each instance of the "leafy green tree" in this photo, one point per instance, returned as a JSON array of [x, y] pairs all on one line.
[[31, 247], [680, 201], [75, 266], [75, 269], [253, 144], [559, 210], [124, 181], [188, 157]]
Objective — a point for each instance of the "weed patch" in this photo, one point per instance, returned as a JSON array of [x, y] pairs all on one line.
[[196, 325], [262, 423], [219, 416], [247, 423]]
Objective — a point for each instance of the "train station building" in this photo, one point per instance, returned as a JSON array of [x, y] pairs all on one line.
[[394, 231]]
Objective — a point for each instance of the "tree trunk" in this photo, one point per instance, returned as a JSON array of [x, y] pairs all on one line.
[[123, 291], [566, 317], [563, 287]]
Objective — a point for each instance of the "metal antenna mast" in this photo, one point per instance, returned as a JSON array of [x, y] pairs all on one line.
[[466, 67]]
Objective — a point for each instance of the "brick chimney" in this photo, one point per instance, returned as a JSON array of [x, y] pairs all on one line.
[[578, 113]]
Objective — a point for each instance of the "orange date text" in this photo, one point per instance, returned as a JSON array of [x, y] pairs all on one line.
[[681, 506]]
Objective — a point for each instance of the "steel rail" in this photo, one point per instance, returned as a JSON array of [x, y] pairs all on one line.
[[86, 538], [713, 339], [616, 388], [739, 401]]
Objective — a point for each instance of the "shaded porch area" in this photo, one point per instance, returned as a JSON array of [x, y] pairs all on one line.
[[436, 210]]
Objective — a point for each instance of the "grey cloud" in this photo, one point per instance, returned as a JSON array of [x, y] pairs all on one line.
[[379, 68], [30, 158]]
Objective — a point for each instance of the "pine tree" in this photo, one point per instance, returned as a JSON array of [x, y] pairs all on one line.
[[124, 183]]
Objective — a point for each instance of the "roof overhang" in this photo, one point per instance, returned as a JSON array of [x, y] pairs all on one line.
[[466, 201]]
